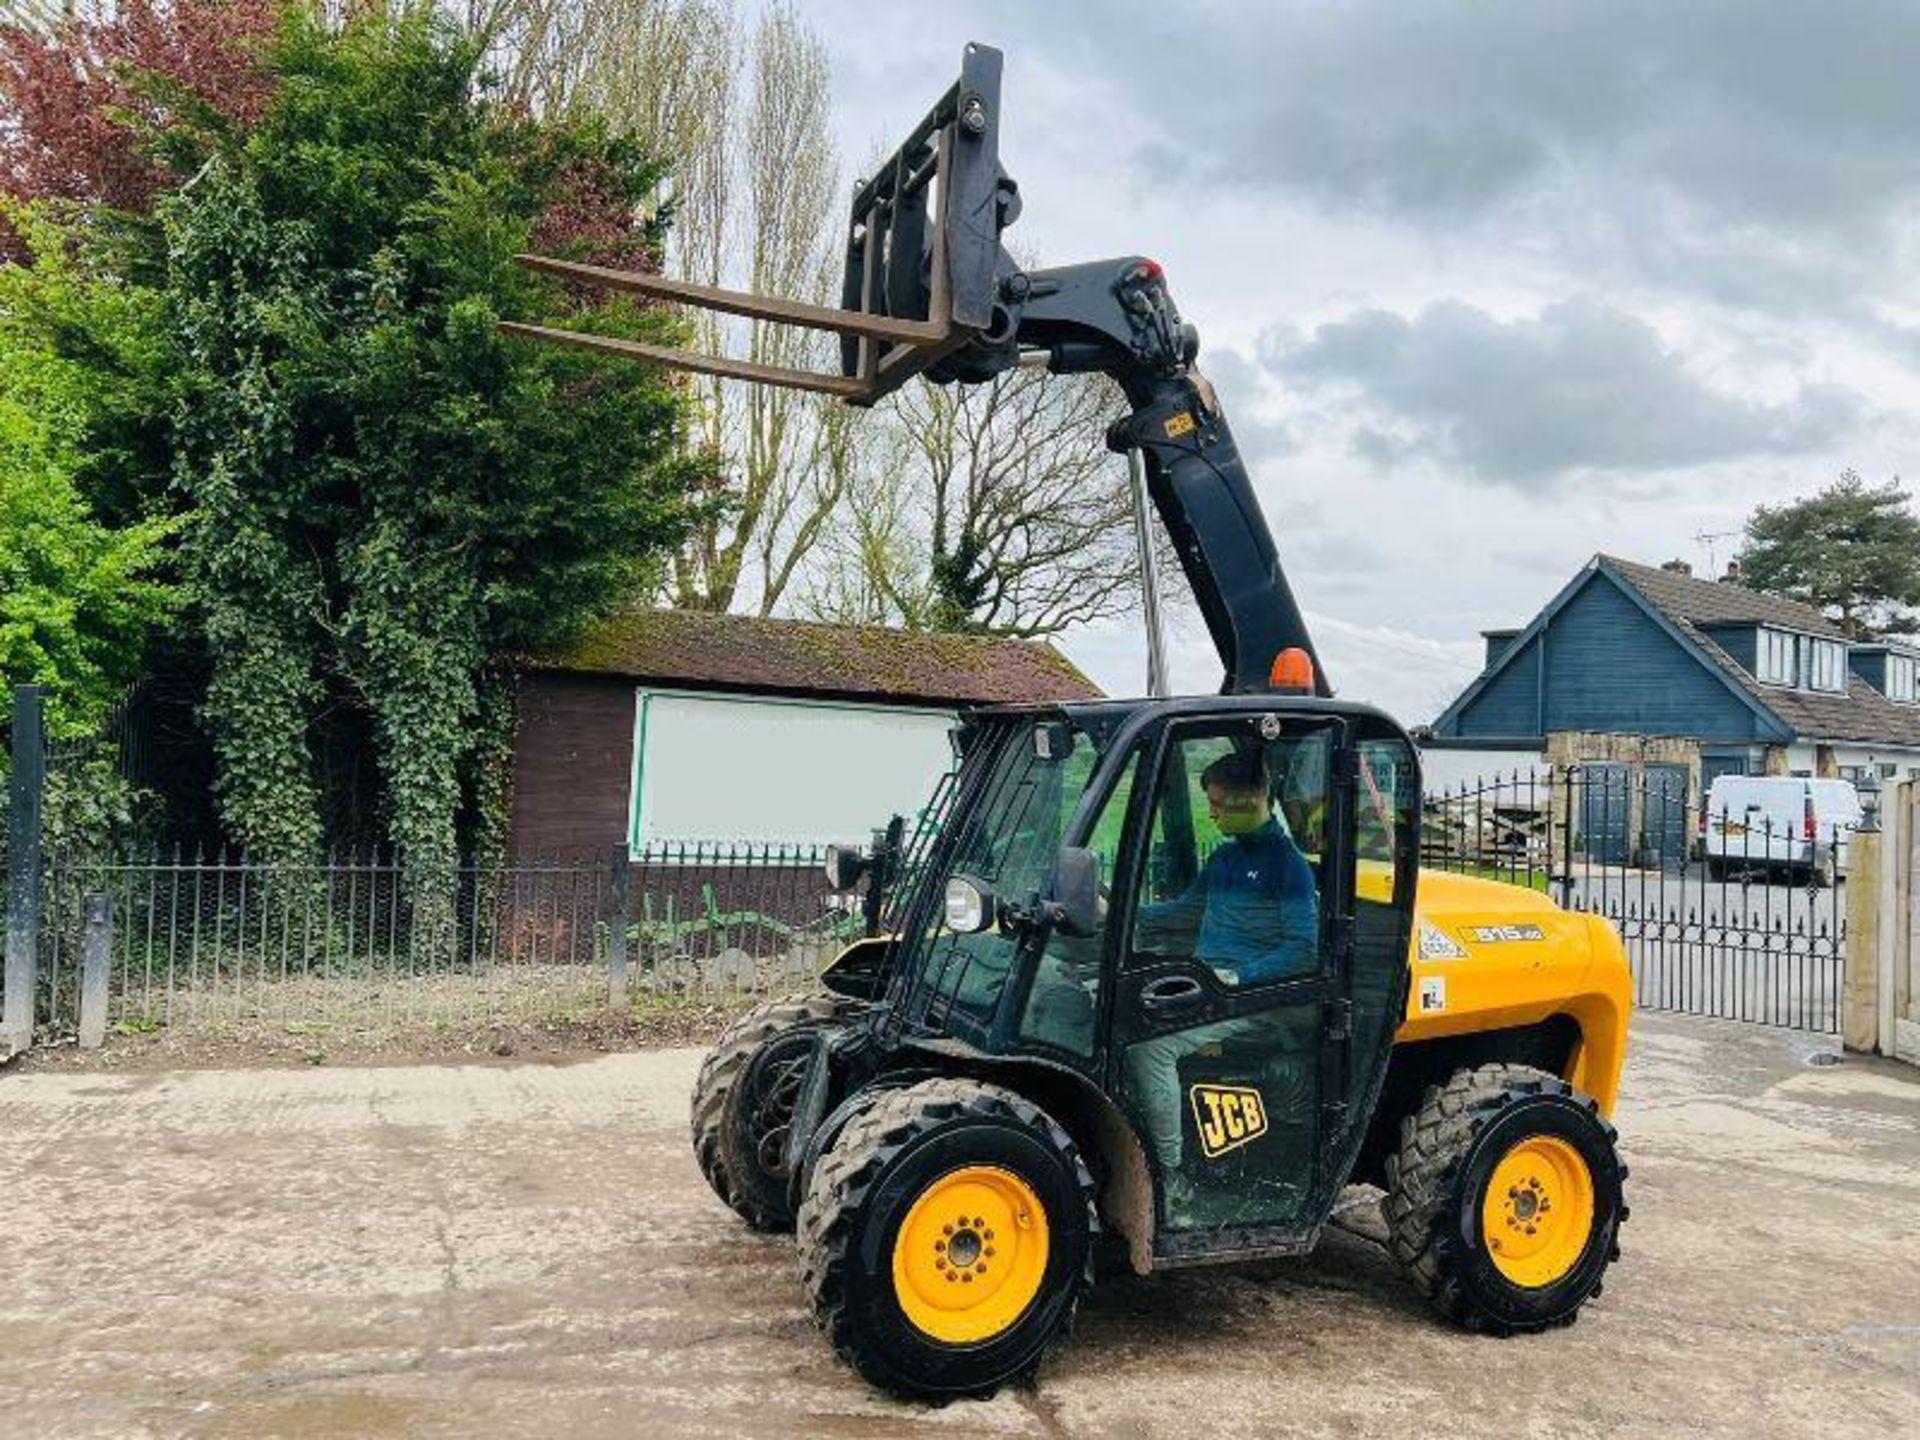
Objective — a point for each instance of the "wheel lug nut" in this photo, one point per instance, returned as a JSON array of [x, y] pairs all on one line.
[[967, 1279], [939, 1244], [989, 1250], [952, 1276], [949, 1230], [978, 1222], [1529, 1229]]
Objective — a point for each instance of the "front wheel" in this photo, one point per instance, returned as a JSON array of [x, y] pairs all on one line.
[[947, 1237], [743, 1100], [1504, 1201]]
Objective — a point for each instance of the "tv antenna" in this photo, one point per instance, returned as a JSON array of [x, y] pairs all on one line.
[[1707, 538]]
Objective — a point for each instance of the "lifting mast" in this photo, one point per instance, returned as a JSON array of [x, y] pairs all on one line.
[[929, 289]]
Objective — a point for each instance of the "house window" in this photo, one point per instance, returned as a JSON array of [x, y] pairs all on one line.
[[1801, 661], [1823, 664], [1776, 658], [1901, 679]]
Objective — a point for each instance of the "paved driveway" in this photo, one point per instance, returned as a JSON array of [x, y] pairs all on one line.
[[527, 1249]]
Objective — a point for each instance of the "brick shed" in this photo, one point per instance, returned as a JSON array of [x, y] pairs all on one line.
[[666, 726]]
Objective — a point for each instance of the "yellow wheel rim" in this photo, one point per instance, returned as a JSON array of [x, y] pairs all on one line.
[[1538, 1213], [971, 1254]]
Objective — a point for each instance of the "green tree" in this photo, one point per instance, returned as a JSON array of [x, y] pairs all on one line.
[[389, 497], [1852, 550], [79, 596]]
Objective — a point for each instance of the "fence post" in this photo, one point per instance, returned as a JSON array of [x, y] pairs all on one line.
[[1566, 839], [96, 962], [617, 932], [1859, 988], [23, 850], [1899, 958]]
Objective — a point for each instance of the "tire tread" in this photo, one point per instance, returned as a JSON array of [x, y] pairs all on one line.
[[1423, 1186], [846, 1175], [728, 1058]]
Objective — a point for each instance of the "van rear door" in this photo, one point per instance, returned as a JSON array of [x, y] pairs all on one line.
[[1761, 819]]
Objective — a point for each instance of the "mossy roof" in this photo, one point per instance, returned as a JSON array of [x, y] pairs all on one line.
[[797, 657]]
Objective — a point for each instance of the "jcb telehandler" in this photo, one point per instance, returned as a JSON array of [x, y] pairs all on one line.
[[1158, 974]]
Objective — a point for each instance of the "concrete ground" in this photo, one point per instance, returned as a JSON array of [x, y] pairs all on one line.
[[521, 1248]]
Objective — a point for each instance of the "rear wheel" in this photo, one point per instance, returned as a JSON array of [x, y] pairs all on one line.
[[733, 1141], [1504, 1200], [947, 1238]]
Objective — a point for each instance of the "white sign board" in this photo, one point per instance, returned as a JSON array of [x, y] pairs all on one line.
[[725, 768]]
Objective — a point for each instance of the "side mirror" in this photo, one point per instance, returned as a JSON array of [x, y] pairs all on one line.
[[970, 906], [845, 865], [1073, 896]]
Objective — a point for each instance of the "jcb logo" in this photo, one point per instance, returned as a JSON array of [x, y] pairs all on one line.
[[1228, 1116]]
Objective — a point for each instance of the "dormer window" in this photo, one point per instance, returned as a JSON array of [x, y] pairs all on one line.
[[1778, 662], [1903, 679], [1805, 662], [1823, 665]]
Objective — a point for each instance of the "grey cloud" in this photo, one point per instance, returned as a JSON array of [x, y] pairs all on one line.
[[1237, 379], [1582, 388], [1759, 154]]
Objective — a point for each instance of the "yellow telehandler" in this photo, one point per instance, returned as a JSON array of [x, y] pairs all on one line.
[[1160, 976]]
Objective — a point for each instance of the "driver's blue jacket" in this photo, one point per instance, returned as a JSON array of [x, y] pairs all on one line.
[[1258, 909]]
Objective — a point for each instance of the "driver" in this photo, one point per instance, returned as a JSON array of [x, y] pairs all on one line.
[[1256, 907], [1255, 902]]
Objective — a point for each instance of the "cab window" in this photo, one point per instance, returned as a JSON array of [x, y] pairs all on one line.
[[1233, 874], [1063, 1005]]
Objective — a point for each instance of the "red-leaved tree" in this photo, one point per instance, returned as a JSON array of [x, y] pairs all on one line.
[[84, 98]]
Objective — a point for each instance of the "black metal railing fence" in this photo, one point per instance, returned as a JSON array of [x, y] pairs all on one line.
[[1733, 913], [211, 939]]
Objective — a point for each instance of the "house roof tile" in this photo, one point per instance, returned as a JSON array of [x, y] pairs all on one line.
[[744, 652], [1698, 606], [1709, 603]]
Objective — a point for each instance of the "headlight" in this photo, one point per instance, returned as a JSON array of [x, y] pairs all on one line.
[[969, 906]]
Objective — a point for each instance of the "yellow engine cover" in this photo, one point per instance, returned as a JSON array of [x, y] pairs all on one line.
[[1491, 956]]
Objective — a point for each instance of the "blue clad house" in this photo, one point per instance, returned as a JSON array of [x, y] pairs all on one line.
[[1655, 670]]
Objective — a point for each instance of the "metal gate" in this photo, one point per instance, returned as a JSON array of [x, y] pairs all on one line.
[[1718, 919], [1604, 798]]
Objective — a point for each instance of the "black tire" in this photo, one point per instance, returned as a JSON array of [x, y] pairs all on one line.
[[786, 1018], [863, 1188], [837, 1120], [1436, 1183], [1716, 868]]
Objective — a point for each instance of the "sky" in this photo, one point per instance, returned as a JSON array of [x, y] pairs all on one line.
[[1484, 289]]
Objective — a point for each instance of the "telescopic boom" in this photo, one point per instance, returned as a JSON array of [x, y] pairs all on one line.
[[930, 290]]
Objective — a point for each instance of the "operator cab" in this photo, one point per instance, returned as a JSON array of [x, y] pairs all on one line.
[[1227, 964]]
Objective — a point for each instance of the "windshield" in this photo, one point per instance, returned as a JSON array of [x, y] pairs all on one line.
[[1015, 798]]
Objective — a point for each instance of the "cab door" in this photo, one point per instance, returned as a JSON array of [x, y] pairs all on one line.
[[1229, 1023]]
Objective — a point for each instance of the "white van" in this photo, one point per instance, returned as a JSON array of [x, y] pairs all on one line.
[[1782, 823]]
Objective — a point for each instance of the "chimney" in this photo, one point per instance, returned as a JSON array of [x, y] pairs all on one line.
[[1498, 643], [1677, 567], [1732, 577]]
